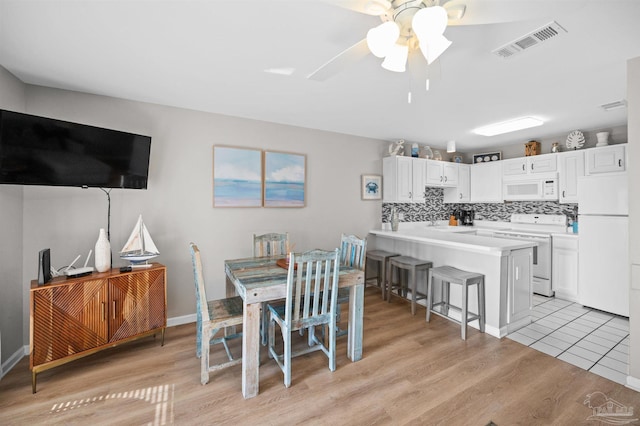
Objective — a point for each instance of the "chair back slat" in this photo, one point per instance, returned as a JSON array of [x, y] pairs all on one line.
[[202, 312], [269, 245], [353, 251], [312, 284]]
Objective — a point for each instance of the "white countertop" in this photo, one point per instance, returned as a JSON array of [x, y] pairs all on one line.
[[454, 237]]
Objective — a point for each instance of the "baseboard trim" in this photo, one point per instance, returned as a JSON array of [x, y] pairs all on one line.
[[14, 359], [633, 383], [185, 319]]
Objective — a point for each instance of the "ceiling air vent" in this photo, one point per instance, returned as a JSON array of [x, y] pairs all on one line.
[[614, 105], [534, 38]]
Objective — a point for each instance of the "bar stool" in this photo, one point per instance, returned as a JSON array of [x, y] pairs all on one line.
[[450, 275], [381, 258], [412, 266]]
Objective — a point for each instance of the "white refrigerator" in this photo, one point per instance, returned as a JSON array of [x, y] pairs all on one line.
[[603, 228]]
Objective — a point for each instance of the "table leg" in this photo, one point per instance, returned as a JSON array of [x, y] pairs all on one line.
[[356, 315], [251, 350]]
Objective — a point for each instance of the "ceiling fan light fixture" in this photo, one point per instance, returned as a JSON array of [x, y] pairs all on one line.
[[396, 59], [381, 39], [508, 126], [377, 7], [429, 25]]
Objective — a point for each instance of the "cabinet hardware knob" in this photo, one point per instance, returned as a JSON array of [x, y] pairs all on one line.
[[620, 163], [531, 166], [563, 194], [523, 169]]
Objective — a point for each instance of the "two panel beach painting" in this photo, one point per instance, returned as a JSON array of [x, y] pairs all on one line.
[[244, 177]]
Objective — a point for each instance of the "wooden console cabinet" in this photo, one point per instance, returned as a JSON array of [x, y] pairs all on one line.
[[73, 318]]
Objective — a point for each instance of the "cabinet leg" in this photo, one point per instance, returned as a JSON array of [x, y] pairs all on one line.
[[33, 382], [162, 341]]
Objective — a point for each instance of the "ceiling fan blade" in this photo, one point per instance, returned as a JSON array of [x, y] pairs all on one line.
[[341, 61], [368, 7], [479, 12]]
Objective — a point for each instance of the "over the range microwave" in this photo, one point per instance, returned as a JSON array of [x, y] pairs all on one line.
[[530, 188]]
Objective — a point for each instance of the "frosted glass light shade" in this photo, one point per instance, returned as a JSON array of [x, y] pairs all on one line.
[[396, 59], [451, 146], [429, 25], [381, 39]]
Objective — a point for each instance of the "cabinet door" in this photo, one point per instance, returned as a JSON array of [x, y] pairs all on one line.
[[570, 167], [450, 172], [397, 179], [137, 303], [461, 193], [542, 163], [605, 160], [419, 182], [486, 182], [435, 176], [67, 320], [520, 293], [564, 278], [514, 166]]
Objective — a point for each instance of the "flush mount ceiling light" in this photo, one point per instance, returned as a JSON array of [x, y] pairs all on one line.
[[508, 126], [451, 146]]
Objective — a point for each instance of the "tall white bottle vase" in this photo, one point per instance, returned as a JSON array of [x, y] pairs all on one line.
[[102, 252]]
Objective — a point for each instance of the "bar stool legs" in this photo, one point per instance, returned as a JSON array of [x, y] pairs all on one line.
[[411, 266], [381, 257], [450, 275]]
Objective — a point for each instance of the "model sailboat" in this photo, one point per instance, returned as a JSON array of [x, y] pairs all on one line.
[[139, 247]]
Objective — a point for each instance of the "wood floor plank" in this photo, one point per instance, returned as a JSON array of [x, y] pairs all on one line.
[[412, 372]]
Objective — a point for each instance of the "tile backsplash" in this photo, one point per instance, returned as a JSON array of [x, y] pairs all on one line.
[[435, 208]]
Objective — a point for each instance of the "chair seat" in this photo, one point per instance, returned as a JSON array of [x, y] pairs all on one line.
[[380, 255], [225, 309], [454, 275]]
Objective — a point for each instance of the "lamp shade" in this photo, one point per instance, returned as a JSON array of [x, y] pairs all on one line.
[[451, 146], [381, 39], [396, 59], [429, 25]]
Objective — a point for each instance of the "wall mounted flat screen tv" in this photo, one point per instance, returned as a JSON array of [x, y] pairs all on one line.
[[43, 151]]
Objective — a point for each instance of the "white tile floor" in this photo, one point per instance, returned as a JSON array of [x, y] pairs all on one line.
[[587, 338]]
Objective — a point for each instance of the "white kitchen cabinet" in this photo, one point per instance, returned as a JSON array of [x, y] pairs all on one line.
[[520, 294], [530, 165], [441, 174], [606, 159], [461, 193], [570, 167], [564, 272], [486, 182], [404, 179]]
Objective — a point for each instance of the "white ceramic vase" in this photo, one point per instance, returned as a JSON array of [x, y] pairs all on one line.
[[102, 252]]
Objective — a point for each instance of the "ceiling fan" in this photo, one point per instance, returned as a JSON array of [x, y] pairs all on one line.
[[409, 25]]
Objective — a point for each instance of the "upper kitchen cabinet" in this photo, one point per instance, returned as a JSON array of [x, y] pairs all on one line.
[[606, 159], [440, 173], [486, 182], [527, 165], [570, 167], [461, 193], [404, 179]]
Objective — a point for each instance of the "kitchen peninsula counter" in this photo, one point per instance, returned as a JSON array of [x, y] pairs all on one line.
[[506, 264]]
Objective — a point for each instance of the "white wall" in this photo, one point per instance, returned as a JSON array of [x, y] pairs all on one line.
[[12, 97], [633, 98], [177, 206]]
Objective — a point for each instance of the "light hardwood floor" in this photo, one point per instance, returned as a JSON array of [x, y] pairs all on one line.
[[411, 373]]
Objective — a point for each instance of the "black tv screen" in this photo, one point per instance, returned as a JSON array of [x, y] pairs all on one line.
[[43, 151]]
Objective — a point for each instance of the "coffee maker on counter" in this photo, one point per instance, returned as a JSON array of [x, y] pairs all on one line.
[[466, 217]]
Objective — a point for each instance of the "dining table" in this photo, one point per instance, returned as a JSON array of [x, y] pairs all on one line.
[[261, 279]]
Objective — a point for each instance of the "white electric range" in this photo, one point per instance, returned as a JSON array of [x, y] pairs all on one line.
[[537, 228]]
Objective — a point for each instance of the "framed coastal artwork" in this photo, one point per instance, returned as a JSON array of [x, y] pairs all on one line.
[[237, 177], [284, 179], [371, 187]]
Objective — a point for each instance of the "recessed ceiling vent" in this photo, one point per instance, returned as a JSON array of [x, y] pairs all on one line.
[[614, 105], [534, 38]]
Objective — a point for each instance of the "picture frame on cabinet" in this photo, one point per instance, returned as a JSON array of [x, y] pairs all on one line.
[[487, 157], [371, 187]]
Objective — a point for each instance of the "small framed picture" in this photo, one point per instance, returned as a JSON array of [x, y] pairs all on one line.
[[371, 187], [487, 157]]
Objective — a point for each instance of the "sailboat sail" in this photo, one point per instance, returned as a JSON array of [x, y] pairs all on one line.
[[139, 247]]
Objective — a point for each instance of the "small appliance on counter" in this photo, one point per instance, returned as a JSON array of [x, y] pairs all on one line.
[[466, 217]]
